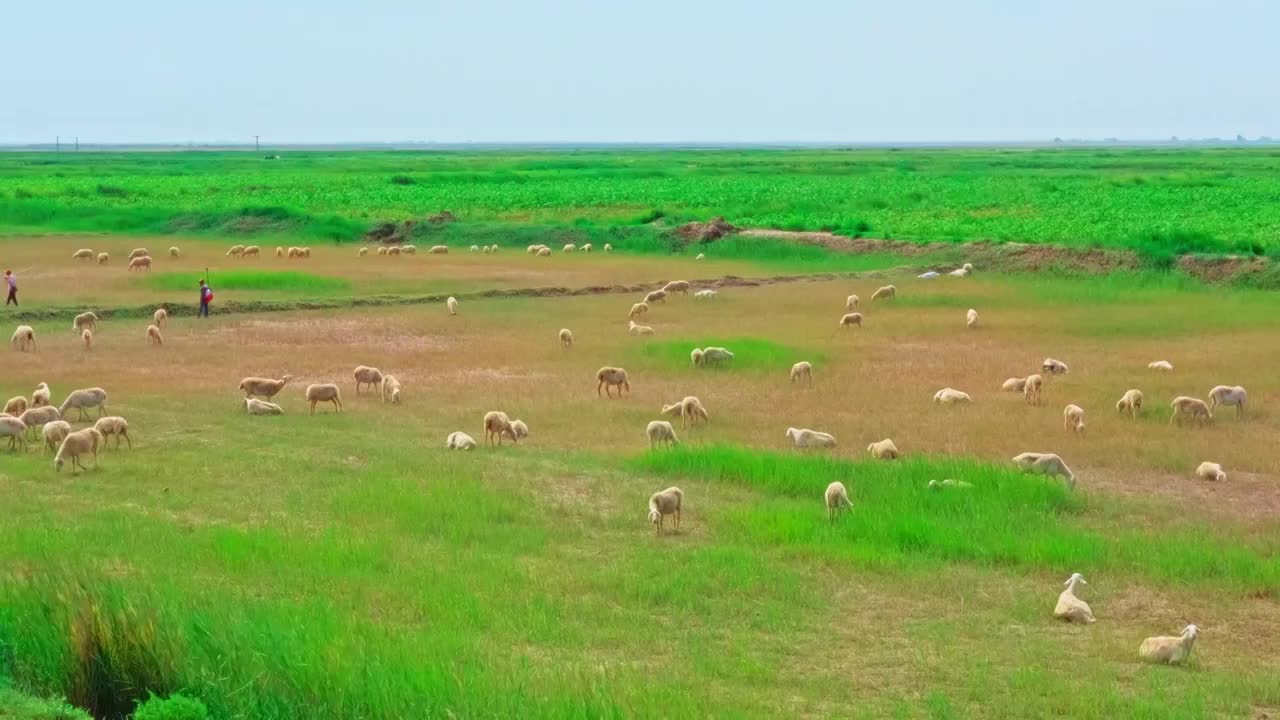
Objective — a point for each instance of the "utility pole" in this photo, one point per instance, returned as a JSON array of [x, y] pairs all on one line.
[[77, 143], [57, 143], [255, 143]]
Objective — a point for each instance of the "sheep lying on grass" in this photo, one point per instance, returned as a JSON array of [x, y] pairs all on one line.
[[1161, 366], [635, 329], [1054, 367], [950, 396], [366, 375], [660, 432], [1045, 464], [690, 410], [1073, 419], [609, 377], [81, 399], [1014, 385], [566, 338], [254, 406], [75, 445], [1031, 389], [929, 275], [804, 438], [324, 392], [884, 450], [1130, 403], [263, 387], [14, 429], [837, 498], [391, 390], [1210, 471], [802, 372], [1169, 650], [460, 441], [113, 425], [1188, 407], [497, 425], [851, 319], [1070, 607], [24, 339], [664, 503], [54, 433], [705, 295], [888, 292], [1228, 395]]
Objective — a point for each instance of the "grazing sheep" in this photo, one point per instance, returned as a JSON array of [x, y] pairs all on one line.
[[263, 387], [851, 319], [161, 317], [235, 250], [1206, 470], [362, 252], [76, 444], [888, 292], [690, 410], [802, 371], [304, 252], [635, 329], [394, 250], [609, 377], [497, 424], [452, 304], [251, 251], [951, 396], [484, 250], [294, 252], [637, 310], [519, 431], [1073, 419], [695, 356], [962, 271], [1160, 366], [533, 249], [701, 256], [15, 406], [851, 303], [1169, 650], [24, 339], [656, 296], [884, 450], [438, 250], [408, 249], [54, 433], [104, 258], [382, 251], [82, 254], [1054, 367], [1226, 395], [254, 406], [391, 389], [971, 319], [664, 503], [153, 334], [113, 425], [87, 338], [15, 430], [608, 248], [37, 418], [586, 248], [325, 392], [460, 441], [85, 320], [1031, 389], [544, 252], [366, 375], [805, 438], [676, 286], [567, 248], [85, 398], [493, 248], [40, 396], [1014, 385], [705, 294], [566, 338], [142, 263], [1070, 607], [716, 356], [1045, 464], [174, 252], [1189, 407], [139, 252], [661, 432], [1130, 403], [837, 498]]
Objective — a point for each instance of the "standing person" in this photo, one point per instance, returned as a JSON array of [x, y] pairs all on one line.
[[13, 287], [206, 295]]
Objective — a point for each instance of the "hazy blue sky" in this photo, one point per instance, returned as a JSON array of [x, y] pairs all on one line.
[[657, 70]]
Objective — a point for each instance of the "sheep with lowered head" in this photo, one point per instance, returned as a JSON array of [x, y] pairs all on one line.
[[1210, 471], [366, 375], [1045, 464], [1160, 366], [660, 432], [113, 425], [497, 424], [1227, 395], [637, 310], [1188, 407], [664, 503], [1014, 385], [87, 338], [140, 263], [16, 406], [54, 433], [1073, 419], [140, 252], [104, 258], [254, 406], [37, 418], [1169, 650], [324, 392], [85, 321], [460, 441], [695, 357], [884, 450], [452, 304], [888, 292], [1054, 367], [656, 296], [24, 339], [174, 252], [1070, 607], [690, 410], [851, 303], [82, 254], [76, 444], [716, 356], [608, 248], [635, 329], [233, 251], [836, 498], [543, 252], [391, 389], [519, 431], [851, 319], [609, 377], [14, 429], [951, 396], [566, 338], [676, 286], [263, 387], [804, 438], [85, 398], [1031, 389], [971, 319], [802, 372], [154, 336], [1130, 403]]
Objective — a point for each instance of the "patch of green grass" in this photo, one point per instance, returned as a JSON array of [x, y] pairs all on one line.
[[285, 281], [15, 705], [749, 353]]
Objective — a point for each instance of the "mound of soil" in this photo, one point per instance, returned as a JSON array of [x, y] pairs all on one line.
[[705, 232], [442, 217], [1222, 269], [390, 232]]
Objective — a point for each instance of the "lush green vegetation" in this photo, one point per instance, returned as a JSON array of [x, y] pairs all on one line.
[[287, 281], [749, 353], [1158, 201]]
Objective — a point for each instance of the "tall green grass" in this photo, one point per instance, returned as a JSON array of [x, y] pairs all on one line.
[[285, 281]]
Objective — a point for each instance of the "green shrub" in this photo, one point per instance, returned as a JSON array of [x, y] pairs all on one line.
[[174, 707]]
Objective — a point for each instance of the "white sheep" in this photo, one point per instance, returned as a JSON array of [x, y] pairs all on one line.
[[695, 357], [951, 396], [610, 377], [161, 317], [569, 247], [1014, 385], [851, 303], [154, 336], [391, 389], [484, 250], [141, 263], [1073, 419], [87, 338], [566, 338], [174, 252], [251, 251], [294, 252], [657, 296], [104, 258], [1169, 650], [1228, 395], [971, 319], [1130, 403], [851, 319], [85, 398], [635, 329], [139, 252], [586, 248], [366, 375], [608, 248], [637, 310], [676, 286], [263, 387], [54, 433], [802, 372], [82, 254], [40, 396], [408, 249], [937, 485], [519, 431], [234, 250], [690, 410], [962, 271], [279, 251], [382, 250], [930, 275], [14, 429], [16, 405], [661, 432], [884, 450], [888, 292], [76, 444], [1031, 389], [452, 304], [700, 256], [324, 392], [438, 250], [543, 252], [716, 356], [1160, 366], [254, 406], [497, 424], [460, 441], [395, 250], [805, 438], [1054, 367], [1188, 407], [24, 339], [37, 418], [1206, 471], [663, 503], [836, 498], [705, 294], [113, 425], [1070, 607], [85, 320], [1045, 464]]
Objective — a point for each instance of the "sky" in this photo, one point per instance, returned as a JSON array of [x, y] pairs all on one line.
[[645, 71]]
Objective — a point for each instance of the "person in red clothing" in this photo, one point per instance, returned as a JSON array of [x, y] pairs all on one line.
[[206, 294], [13, 287]]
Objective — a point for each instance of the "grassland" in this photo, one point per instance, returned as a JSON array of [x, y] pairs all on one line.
[[348, 566], [1159, 202]]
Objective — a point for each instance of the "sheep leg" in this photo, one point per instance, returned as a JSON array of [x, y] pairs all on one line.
[[127, 440], [313, 407], [598, 388], [677, 527]]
